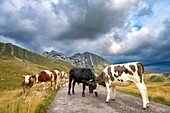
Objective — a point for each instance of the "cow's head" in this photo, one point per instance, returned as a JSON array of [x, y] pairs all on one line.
[[63, 74], [27, 78], [92, 85]]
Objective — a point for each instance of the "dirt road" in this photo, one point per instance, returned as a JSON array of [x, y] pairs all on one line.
[[64, 103]]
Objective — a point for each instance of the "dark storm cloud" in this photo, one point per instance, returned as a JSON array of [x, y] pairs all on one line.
[[72, 26], [34, 22], [88, 19]]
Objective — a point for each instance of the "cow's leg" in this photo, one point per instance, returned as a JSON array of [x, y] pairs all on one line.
[[63, 82], [95, 91], [60, 82], [44, 86], [52, 85], [108, 91], [145, 88], [84, 87], [56, 83], [147, 99], [69, 85], [26, 89], [113, 92], [74, 82], [143, 94]]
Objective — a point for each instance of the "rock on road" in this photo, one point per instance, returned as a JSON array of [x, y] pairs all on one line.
[[64, 103]]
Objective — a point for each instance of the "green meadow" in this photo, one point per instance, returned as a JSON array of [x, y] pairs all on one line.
[[12, 98]]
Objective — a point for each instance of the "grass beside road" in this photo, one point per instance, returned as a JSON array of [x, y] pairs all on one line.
[[35, 101], [157, 91], [12, 98]]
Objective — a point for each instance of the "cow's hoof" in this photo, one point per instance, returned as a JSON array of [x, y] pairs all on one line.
[[113, 99], [143, 108], [107, 101], [83, 95], [96, 94], [68, 93]]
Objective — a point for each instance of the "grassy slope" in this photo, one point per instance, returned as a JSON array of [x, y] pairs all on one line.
[[157, 91], [12, 98]]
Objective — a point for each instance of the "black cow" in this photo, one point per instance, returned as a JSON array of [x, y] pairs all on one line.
[[82, 75]]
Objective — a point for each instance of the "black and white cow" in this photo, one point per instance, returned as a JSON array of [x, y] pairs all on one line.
[[82, 75], [124, 75]]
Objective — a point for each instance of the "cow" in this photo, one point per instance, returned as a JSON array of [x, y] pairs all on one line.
[[63, 78], [124, 75], [84, 76], [47, 75], [27, 82]]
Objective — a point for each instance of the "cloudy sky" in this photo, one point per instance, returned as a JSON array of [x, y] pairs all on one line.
[[118, 30]]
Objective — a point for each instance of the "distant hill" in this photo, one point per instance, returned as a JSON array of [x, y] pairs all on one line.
[[87, 59], [167, 74], [9, 51]]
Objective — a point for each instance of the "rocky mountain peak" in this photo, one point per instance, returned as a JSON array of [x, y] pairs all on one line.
[[85, 59]]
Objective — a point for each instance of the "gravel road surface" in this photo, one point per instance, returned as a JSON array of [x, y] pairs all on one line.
[[64, 103]]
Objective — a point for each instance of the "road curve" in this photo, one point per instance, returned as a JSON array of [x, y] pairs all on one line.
[[64, 103]]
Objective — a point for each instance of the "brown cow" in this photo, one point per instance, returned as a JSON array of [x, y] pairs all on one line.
[[27, 82], [47, 75]]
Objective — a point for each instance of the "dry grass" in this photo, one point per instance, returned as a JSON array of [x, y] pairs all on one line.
[[17, 102], [157, 91], [12, 99]]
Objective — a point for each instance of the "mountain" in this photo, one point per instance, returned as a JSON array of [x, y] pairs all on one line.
[[9, 51], [52, 59], [87, 59]]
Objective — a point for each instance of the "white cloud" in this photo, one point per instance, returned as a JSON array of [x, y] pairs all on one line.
[[27, 25], [133, 40]]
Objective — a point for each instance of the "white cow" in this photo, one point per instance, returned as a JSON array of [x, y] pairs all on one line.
[[124, 75]]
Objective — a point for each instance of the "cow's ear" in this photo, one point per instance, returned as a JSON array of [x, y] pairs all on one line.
[[23, 77], [33, 76], [59, 73]]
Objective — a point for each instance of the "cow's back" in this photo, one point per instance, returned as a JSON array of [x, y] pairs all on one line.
[[75, 73], [79, 74], [55, 73], [43, 77]]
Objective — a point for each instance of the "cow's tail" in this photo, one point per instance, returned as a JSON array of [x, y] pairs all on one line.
[[140, 71], [100, 80]]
